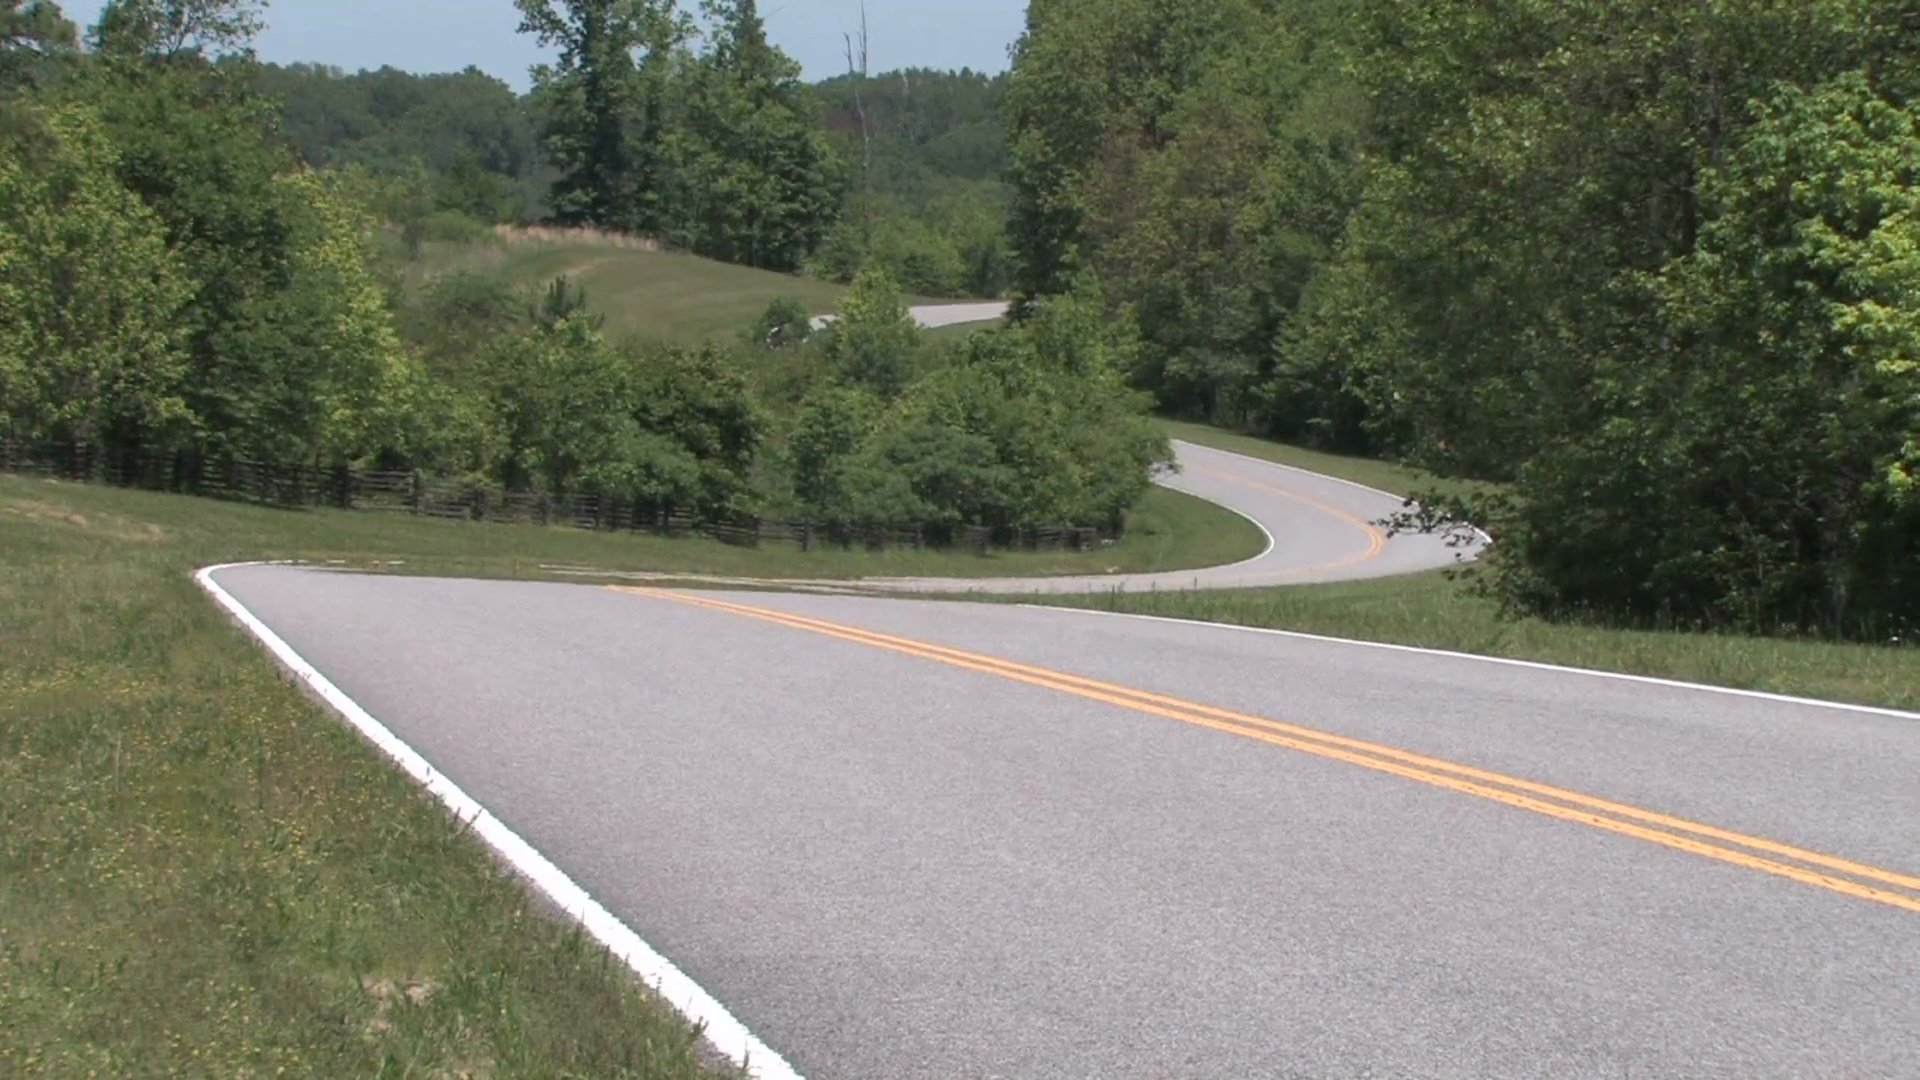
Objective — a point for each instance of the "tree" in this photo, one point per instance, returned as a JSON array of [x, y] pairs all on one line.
[[91, 347], [663, 428], [33, 36], [1770, 478], [608, 107], [758, 181], [177, 29], [874, 342]]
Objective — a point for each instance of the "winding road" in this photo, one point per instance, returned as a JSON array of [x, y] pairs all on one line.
[[898, 837]]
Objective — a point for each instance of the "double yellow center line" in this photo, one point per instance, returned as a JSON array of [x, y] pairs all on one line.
[[1823, 871]]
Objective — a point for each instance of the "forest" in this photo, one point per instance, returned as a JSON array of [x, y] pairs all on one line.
[[1646, 275], [1650, 271], [206, 257]]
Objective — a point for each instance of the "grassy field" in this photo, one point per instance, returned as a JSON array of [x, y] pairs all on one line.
[[658, 295], [203, 873]]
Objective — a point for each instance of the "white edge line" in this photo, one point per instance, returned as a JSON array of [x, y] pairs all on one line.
[[1649, 680], [727, 1034], [1485, 538], [1272, 541]]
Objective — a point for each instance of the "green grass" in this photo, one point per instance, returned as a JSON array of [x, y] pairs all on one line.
[[1433, 611], [1390, 477], [654, 295], [202, 872]]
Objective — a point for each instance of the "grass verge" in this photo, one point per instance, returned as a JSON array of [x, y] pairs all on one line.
[[1387, 476], [643, 292], [202, 872], [1431, 611], [1435, 612]]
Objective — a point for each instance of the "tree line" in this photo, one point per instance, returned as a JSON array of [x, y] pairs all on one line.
[[709, 142], [1651, 268], [176, 280]]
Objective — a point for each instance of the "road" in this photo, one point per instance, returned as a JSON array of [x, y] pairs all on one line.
[[1321, 529], [934, 316], [906, 838]]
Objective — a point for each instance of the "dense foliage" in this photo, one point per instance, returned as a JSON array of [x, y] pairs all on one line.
[[1028, 425], [179, 282], [1651, 266], [925, 201], [683, 123], [462, 143]]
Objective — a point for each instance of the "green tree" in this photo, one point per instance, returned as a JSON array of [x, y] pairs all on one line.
[[874, 343], [834, 424], [90, 345], [608, 105], [758, 180], [34, 35]]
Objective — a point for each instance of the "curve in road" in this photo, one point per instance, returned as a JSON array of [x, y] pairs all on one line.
[[911, 838], [1319, 528]]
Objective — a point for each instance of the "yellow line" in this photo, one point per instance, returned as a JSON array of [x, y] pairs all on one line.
[[1362, 746], [1376, 540], [1372, 756]]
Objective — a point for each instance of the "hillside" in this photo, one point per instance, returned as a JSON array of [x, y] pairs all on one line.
[[642, 291]]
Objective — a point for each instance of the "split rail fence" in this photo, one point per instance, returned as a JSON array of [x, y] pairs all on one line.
[[421, 494]]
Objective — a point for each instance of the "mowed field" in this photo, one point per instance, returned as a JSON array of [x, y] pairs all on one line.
[[642, 291]]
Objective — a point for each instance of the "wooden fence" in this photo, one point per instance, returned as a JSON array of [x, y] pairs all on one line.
[[419, 494]]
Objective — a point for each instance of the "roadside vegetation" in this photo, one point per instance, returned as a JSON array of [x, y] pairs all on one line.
[[1649, 269], [1434, 611], [187, 288], [202, 873], [636, 290], [1447, 610]]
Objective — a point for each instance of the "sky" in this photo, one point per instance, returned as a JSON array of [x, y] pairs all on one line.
[[447, 35]]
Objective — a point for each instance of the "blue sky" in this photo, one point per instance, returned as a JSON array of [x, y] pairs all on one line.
[[447, 35]]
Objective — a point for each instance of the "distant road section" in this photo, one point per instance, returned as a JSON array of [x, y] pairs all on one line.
[[1321, 529], [934, 316]]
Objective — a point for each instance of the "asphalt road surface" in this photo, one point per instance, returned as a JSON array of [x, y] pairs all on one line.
[[934, 316], [1321, 529], [901, 838]]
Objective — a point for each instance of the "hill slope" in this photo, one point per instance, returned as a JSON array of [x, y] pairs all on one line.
[[642, 290]]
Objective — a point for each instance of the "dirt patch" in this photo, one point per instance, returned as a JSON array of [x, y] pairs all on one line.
[[388, 994], [108, 525]]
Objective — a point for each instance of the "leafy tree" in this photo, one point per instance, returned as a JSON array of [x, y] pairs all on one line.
[[786, 324], [91, 348], [177, 29], [473, 136], [873, 343], [1770, 478], [578, 415], [757, 179], [608, 107], [33, 36], [833, 424]]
